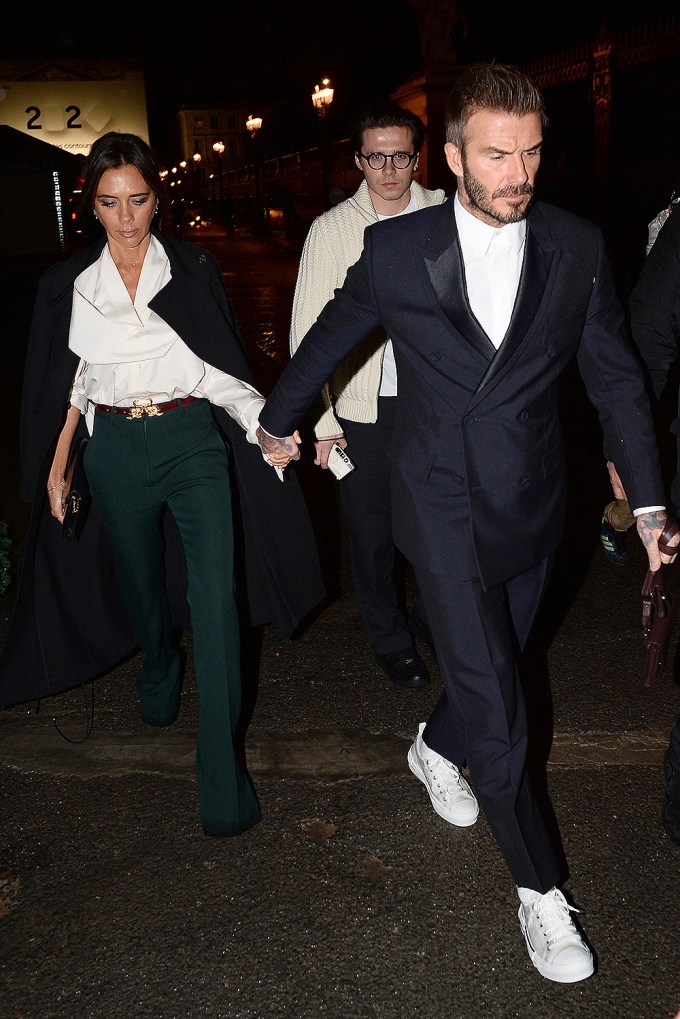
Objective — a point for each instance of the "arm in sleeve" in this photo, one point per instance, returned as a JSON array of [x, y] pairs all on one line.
[[317, 281], [241, 401], [344, 321], [615, 384], [654, 305]]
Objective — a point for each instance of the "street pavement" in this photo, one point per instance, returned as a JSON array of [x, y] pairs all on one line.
[[350, 899]]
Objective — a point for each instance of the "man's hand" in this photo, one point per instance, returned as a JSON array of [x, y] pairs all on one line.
[[650, 526], [279, 452], [323, 448], [617, 487]]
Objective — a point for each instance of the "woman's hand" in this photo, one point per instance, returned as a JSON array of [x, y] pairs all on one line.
[[56, 496]]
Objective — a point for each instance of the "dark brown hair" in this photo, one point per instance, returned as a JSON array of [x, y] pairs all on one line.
[[490, 86], [116, 149], [386, 113]]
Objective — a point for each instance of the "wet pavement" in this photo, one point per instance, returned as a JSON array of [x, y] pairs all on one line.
[[351, 899]]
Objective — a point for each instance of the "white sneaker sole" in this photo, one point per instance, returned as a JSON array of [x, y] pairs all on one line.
[[459, 821], [559, 974]]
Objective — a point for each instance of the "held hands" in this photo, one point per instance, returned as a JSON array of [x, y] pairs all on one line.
[[279, 452]]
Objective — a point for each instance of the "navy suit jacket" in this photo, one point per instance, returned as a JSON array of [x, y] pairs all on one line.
[[478, 457]]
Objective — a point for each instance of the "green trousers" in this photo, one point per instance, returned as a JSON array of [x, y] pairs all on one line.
[[138, 468]]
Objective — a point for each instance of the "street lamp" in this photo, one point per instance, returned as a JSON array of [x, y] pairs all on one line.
[[322, 97], [218, 149], [253, 125]]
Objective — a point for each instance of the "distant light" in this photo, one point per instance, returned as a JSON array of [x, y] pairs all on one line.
[[322, 96]]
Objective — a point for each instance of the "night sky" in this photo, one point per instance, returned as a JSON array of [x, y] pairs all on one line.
[[273, 53]]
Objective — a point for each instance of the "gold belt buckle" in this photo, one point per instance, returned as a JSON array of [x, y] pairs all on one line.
[[144, 406]]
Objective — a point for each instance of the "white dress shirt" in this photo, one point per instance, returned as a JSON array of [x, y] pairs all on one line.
[[128, 352], [492, 257]]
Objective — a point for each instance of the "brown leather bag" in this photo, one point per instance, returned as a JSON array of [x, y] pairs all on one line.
[[659, 611]]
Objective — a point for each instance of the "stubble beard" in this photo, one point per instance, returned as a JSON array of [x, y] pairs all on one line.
[[478, 198]]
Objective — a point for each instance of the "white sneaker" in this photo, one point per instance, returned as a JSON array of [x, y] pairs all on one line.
[[556, 948], [451, 796]]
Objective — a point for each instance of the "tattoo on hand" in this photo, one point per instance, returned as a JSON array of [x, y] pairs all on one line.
[[648, 522]]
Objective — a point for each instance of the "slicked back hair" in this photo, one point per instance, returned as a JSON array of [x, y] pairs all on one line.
[[501, 88], [386, 113]]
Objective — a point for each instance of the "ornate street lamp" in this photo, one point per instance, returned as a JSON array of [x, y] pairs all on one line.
[[218, 149], [253, 125], [322, 97]]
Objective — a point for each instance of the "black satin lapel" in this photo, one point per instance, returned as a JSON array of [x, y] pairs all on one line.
[[530, 292], [447, 281]]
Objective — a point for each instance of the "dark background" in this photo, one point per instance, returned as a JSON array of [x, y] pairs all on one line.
[[273, 53]]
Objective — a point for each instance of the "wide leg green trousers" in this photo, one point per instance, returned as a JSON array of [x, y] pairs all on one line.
[[137, 468]]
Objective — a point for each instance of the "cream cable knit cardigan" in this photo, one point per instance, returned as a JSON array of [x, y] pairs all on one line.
[[334, 242]]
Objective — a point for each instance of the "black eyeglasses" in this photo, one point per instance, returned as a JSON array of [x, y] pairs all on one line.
[[400, 160]]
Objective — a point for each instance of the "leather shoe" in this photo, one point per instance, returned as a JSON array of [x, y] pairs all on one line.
[[405, 668]]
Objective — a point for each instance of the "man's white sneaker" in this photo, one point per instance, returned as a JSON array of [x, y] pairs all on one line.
[[451, 796], [556, 948]]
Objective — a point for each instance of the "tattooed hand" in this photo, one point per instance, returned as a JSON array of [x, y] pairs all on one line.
[[279, 452], [650, 526]]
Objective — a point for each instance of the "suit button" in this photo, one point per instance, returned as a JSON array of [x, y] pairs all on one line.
[[550, 352], [457, 479], [469, 420], [523, 482], [524, 416], [435, 355]]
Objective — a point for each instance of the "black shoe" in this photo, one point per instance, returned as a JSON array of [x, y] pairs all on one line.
[[421, 631], [614, 544], [405, 668], [670, 812]]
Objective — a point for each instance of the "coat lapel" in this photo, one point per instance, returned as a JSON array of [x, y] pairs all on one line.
[[538, 260], [441, 265]]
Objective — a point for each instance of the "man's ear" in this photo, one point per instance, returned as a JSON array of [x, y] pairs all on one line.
[[357, 162], [452, 153]]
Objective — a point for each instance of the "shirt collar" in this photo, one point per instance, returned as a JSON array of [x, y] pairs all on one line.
[[477, 236]]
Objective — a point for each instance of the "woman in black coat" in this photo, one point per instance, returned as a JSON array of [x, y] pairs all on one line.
[[134, 342]]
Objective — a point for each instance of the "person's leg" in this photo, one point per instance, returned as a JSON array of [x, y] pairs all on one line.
[[116, 462], [196, 487], [476, 647], [365, 501]]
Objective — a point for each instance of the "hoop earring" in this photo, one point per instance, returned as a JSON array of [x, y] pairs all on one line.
[[156, 209]]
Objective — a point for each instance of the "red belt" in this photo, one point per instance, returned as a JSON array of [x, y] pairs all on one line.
[[150, 409]]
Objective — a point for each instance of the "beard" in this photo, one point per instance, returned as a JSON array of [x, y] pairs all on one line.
[[480, 199]]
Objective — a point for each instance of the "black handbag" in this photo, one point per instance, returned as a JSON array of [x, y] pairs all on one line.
[[78, 497], [659, 612]]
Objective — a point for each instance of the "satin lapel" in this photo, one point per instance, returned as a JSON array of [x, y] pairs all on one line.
[[440, 264], [538, 261]]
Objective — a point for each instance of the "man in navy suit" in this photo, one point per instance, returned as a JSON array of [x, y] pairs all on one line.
[[487, 299]]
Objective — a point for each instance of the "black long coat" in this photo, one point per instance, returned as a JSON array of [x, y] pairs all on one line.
[[69, 623]]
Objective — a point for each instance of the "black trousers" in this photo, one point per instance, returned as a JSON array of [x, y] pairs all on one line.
[[481, 716], [365, 497]]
